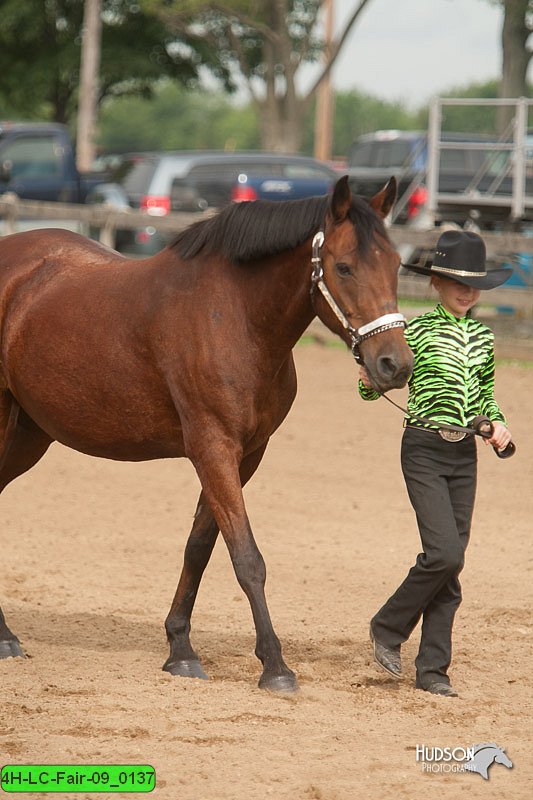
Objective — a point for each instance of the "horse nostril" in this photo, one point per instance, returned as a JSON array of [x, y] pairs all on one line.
[[387, 367]]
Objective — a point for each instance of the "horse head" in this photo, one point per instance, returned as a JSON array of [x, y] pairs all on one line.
[[484, 756], [359, 271], [503, 758]]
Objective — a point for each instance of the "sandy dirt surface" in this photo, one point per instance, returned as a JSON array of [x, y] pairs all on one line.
[[90, 554]]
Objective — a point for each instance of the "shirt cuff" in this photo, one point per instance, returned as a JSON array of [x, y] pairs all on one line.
[[366, 393]]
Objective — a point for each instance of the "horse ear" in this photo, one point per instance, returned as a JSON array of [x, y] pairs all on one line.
[[341, 200], [383, 201]]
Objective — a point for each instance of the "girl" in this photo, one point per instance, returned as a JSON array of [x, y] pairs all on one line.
[[452, 382]]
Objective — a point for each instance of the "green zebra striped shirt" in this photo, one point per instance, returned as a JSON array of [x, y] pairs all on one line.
[[453, 373]]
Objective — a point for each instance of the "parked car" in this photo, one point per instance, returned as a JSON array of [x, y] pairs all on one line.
[[296, 181], [37, 163], [158, 183]]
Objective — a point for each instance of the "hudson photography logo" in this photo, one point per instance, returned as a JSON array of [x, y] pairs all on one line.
[[477, 758]]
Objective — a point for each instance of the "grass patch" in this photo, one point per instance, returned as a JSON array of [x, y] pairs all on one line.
[[431, 302], [417, 302], [307, 339], [514, 362]]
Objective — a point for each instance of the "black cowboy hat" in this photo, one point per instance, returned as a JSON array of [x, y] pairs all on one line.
[[461, 255]]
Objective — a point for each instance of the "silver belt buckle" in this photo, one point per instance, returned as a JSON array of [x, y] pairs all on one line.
[[452, 436]]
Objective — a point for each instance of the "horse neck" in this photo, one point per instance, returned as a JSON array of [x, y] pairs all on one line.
[[281, 300]]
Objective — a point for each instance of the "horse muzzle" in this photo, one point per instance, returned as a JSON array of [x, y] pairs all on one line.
[[391, 372]]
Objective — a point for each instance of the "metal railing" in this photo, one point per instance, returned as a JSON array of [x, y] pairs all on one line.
[[513, 141]]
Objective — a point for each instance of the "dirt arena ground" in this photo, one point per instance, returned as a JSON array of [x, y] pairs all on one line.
[[90, 554]]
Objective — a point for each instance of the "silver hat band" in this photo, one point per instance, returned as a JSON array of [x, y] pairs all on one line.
[[462, 272]]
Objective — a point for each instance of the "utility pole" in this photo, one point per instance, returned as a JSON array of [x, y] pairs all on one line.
[[325, 103], [88, 93]]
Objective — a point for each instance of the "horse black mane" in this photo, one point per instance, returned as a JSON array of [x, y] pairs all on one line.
[[244, 232]]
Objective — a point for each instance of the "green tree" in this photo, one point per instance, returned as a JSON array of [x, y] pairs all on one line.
[[516, 28], [177, 119], [516, 55], [357, 113], [264, 43], [40, 54], [468, 119]]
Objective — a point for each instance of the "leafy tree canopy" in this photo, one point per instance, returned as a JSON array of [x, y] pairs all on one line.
[[176, 119], [242, 30], [264, 43], [357, 113], [40, 43]]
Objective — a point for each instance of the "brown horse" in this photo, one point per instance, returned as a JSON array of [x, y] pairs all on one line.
[[188, 353]]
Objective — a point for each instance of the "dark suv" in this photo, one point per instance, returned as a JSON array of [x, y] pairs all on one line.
[[158, 183]]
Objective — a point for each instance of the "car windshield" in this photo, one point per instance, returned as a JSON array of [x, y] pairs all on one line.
[[134, 174], [361, 154], [393, 154], [389, 154]]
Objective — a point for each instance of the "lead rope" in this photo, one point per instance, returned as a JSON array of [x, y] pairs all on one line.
[[481, 426]]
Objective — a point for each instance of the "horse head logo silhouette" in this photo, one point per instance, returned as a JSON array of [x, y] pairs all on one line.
[[484, 756]]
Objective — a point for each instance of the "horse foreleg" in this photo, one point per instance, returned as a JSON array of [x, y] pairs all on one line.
[[222, 487], [22, 444], [183, 660]]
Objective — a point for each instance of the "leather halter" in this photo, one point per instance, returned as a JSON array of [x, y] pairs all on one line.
[[357, 335]]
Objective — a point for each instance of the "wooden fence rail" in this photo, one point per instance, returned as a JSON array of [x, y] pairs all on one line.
[[22, 214], [18, 214]]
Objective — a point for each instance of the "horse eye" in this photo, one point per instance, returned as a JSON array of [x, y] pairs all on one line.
[[343, 269]]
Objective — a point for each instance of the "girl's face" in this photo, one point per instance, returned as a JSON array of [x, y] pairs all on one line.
[[457, 298]]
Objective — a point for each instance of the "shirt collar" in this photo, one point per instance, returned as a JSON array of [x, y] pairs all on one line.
[[447, 315]]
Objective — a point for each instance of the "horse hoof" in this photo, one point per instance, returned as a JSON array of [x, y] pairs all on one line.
[[186, 669], [10, 648], [285, 684]]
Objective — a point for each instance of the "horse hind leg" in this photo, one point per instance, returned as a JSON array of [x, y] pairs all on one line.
[[22, 444], [183, 660]]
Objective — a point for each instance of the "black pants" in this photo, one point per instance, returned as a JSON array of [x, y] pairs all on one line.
[[441, 481]]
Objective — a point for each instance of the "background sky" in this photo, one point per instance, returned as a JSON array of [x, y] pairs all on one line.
[[409, 50]]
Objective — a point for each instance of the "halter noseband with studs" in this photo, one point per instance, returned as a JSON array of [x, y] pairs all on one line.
[[379, 325]]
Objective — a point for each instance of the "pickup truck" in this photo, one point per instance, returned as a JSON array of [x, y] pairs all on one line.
[[474, 175], [37, 163]]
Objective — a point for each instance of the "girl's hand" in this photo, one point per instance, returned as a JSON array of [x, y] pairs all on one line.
[[365, 380], [500, 437]]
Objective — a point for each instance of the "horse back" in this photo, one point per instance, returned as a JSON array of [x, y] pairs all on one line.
[[100, 350], [23, 252]]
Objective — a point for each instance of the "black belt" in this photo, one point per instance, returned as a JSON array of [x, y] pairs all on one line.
[[480, 426], [444, 433]]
